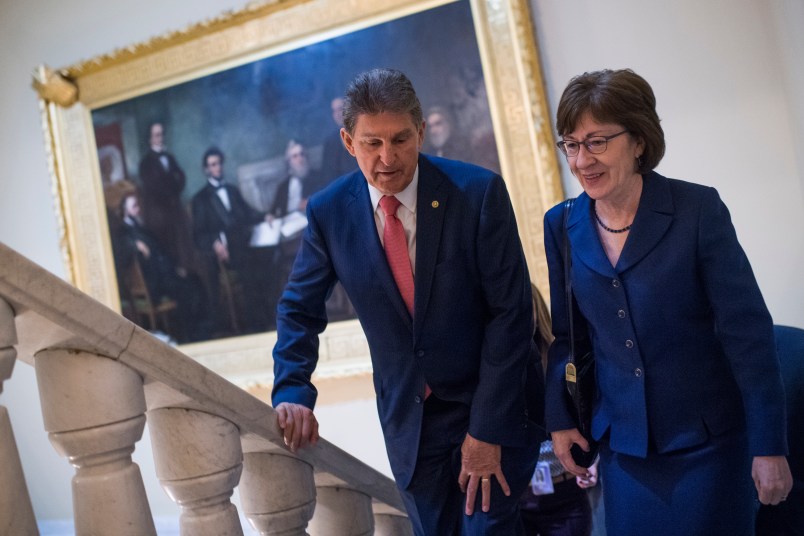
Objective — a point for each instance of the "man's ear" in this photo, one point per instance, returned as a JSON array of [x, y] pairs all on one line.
[[348, 141]]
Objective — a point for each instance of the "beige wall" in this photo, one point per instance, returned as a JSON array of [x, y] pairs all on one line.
[[728, 78], [728, 81]]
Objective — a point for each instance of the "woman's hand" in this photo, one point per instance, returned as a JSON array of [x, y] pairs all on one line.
[[590, 480], [772, 478], [562, 442]]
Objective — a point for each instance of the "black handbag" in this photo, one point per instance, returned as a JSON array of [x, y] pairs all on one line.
[[580, 368]]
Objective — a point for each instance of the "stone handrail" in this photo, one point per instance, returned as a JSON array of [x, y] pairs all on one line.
[[100, 377]]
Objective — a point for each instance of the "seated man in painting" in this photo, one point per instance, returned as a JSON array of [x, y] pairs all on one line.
[[133, 243], [291, 197]]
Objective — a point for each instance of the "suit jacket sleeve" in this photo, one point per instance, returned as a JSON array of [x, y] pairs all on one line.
[[557, 415], [499, 401], [301, 317], [744, 327]]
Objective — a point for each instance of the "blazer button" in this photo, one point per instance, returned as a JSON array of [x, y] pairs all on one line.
[[615, 283], [638, 372], [629, 343], [420, 353], [418, 399], [621, 313]]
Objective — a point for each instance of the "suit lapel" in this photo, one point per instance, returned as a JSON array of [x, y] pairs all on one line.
[[652, 220], [431, 205], [370, 242], [217, 206], [583, 237]]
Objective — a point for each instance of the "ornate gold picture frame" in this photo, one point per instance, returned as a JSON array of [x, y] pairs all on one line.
[[516, 101]]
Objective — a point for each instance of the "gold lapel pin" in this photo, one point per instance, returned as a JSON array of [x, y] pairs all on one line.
[[434, 204]]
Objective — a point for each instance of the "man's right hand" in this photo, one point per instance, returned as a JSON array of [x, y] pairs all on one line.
[[298, 424]]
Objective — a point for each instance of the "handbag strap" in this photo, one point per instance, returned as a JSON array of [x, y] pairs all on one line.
[[567, 254]]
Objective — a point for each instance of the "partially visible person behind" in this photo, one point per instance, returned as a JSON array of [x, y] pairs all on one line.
[[787, 517], [555, 503], [443, 138], [690, 408]]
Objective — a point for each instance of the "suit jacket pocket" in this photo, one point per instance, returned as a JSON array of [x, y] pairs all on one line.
[[719, 420]]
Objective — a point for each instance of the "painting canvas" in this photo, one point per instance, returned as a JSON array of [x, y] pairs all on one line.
[[251, 94], [273, 125]]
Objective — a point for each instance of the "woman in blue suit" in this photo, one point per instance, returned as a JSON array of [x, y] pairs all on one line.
[[689, 407]]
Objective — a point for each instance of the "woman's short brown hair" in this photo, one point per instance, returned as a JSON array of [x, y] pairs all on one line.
[[622, 97]]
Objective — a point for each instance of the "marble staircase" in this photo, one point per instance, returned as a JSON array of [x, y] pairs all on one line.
[[101, 378]]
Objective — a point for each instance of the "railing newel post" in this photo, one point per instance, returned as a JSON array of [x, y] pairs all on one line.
[[16, 511]]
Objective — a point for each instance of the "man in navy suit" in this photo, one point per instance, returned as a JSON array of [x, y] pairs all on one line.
[[450, 355]]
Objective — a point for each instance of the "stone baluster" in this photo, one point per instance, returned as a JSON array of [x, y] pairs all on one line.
[[390, 522], [16, 512], [94, 411], [343, 511], [198, 460], [277, 493]]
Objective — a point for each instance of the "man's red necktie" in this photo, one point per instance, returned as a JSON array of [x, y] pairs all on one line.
[[396, 251]]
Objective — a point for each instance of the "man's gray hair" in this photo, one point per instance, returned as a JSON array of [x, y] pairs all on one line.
[[378, 91]]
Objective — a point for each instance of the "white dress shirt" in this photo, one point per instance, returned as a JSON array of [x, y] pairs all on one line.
[[163, 159], [223, 195], [294, 194], [406, 213]]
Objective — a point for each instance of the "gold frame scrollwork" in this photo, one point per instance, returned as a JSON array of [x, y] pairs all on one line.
[[517, 100]]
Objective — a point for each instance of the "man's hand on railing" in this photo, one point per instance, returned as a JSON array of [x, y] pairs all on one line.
[[298, 424]]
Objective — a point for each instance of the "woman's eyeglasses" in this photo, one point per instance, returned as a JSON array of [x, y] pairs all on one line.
[[595, 144]]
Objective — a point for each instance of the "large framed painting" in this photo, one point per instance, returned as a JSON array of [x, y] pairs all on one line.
[[234, 122]]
